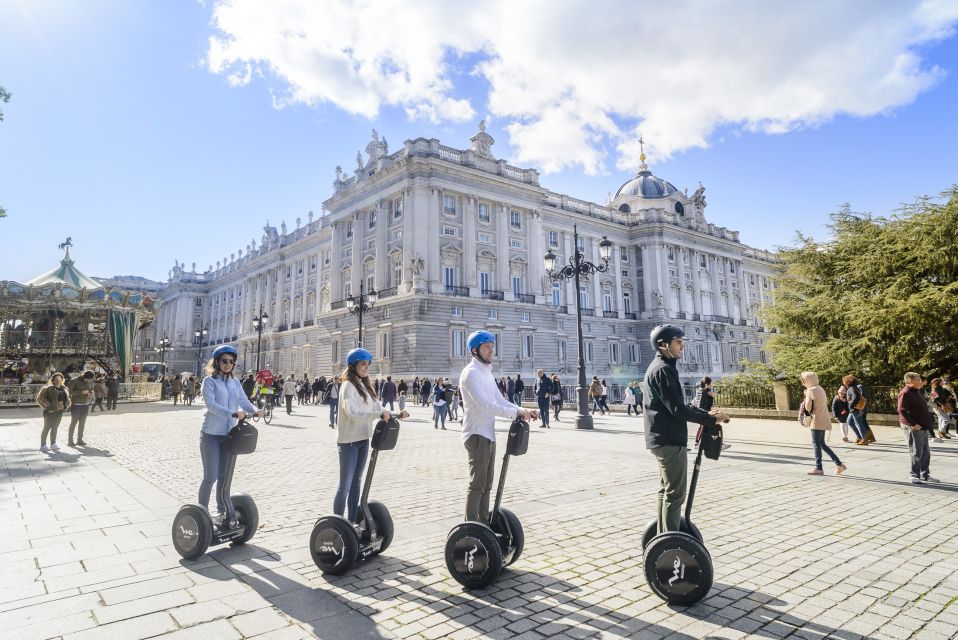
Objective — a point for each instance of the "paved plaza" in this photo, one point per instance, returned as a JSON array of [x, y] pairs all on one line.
[[85, 544]]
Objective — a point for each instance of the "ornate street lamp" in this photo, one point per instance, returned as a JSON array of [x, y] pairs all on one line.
[[360, 305], [162, 347], [258, 323], [199, 337], [579, 267]]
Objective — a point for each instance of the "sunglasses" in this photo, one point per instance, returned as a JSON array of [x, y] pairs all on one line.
[[227, 361]]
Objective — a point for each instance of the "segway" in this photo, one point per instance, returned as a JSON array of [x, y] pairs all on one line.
[[193, 528], [336, 544], [476, 552], [678, 567]]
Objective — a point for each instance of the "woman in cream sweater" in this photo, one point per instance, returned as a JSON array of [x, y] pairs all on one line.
[[815, 414], [359, 411]]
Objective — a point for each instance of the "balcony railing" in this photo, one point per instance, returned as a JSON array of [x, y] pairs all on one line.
[[562, 308], [388, 292], [631, 316], [681, 315], [339, 304], [527, 298], [588, 311], [282, 327], [308, 323], [294, 325], [457, 291], [696, 316], [492, 294], [610, 314]]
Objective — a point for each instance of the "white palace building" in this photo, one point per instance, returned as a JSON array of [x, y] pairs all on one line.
[[453, 241]]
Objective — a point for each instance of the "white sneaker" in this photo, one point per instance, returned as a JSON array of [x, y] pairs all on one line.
[[44, 448], [931, 479], [55, 446], [915, 480]]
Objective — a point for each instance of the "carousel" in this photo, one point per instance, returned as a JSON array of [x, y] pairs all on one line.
[[65, 321]]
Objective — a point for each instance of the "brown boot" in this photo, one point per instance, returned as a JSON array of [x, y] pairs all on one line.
[[870, 437]]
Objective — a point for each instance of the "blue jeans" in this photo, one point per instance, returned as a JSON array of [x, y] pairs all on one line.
[[597, 404], [215, 461], [859, 422], [544, 410], [333, 410], [818, 444], [352, 461], [439, 413]]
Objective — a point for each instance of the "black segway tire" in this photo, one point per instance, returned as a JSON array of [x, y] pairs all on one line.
[[685, 527], [678, 568], [473, 555], [518, 540], [334, 545], [247, 515], [192, 531], [384, 524]]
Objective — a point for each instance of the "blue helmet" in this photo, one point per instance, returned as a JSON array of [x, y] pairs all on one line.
[[226, 348], [357, 355], [477, 338]]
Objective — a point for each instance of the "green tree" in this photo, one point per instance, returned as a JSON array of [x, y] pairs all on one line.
[[877, 299]]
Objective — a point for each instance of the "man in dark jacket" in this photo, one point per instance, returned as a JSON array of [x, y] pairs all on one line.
[[666, 418], [520, 387], [388, 393], [916, 421], [249, 385], [543, 396], [112, 392]]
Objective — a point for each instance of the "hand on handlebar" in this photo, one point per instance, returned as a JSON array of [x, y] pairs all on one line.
[[386, 415], [719, 416], [528, 414], [259, 413], [240, 415]]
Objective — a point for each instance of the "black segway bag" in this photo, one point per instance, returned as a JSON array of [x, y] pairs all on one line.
[[711, 441], [518, 437], [242, 438], [385, 435]]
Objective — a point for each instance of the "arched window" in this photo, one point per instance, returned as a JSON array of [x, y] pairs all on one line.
[[679, 209]]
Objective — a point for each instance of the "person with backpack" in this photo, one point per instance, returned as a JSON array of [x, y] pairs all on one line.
[[857, 395], [595, 392]]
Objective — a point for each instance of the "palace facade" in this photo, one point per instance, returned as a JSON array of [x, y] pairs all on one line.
[[453, 241]]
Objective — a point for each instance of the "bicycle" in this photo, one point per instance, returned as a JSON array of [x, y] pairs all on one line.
[[265, 403]]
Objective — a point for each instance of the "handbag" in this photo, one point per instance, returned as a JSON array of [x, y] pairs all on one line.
[[242, 438], [809, 418]]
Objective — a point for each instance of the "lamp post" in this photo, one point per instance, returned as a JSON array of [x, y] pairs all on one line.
[[360, 305], [162, 347], [579, 267], [258, 323], [199, 337]]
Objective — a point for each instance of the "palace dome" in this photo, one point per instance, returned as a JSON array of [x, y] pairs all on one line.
[[645, 185]]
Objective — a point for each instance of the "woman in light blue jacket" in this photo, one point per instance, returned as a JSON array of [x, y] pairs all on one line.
[[226, 404]]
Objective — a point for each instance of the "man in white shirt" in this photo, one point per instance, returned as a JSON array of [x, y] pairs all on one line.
[[482, 403]]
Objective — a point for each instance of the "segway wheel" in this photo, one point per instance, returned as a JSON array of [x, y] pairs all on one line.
[[248, 516], [192, 531], [384, 523], [685, 526], [334, 545], [517, 542], [473, 555], [678, 568]]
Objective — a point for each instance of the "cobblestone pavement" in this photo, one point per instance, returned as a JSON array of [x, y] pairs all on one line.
[[85, 543]]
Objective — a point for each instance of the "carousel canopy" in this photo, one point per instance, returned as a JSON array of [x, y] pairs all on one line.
[[66, 273]]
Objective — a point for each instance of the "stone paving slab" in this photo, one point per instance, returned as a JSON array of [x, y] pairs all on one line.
[[86, 553]]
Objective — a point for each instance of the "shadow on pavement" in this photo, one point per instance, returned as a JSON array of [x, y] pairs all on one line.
[[94, 452], [944, 486]]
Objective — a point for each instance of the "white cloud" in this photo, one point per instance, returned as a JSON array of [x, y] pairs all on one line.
[[571, 80]]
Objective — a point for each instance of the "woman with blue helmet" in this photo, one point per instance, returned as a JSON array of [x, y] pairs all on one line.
[[482, 404], [359, 411], [226, 404]]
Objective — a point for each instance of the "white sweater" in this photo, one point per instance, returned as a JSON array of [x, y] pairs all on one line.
[[356, 416], [483, 401]]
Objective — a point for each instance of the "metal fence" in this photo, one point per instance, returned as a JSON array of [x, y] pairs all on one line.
[[880, 399], [26, 394], [740, 398]]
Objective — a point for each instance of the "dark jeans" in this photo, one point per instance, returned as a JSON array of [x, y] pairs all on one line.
[[215, 461], [78, 414], [111, 399], [556, 408], [859, 422], [289, 404], [439, 413], [333, 411], [51, 421], [818, 444], [919, 452], [544, 410], [597, 404], [392, 406], [630, 407], [352, 461]]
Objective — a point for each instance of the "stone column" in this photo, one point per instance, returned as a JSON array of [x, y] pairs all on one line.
[[570, 292], [535, 253], [729, 299], [696, 284], [469, 267], [665, 281], [742, 291], [617, 267], [356, 264], [336, 262], [382, 260], [434, 231], [592, 255], [715, 265], [408, 239], [647, 277], [680, 270], [502, 252]]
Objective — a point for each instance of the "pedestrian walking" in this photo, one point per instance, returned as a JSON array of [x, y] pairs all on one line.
[[425, 392], [289, 390], [556, 396], [53, 399], [543, 391], [317, 389], [943, 403], [402, 387], [388, 393], [176, 385], [332, 399], [916, 422], [359, 411], [112, 392], [840, 411], [226, 404], [666, 417], [857, 395], [81, 392], [520, 386], [99, 394], [631, 402], [482, 402], [595, 393], [402, 401], [454, 399], [704, 396], [605, 396], [815, 415], [439, 407]]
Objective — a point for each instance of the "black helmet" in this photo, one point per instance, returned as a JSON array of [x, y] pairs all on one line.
[[664, 334]]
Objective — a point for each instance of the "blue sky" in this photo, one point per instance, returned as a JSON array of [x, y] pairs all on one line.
[[122, 135]]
